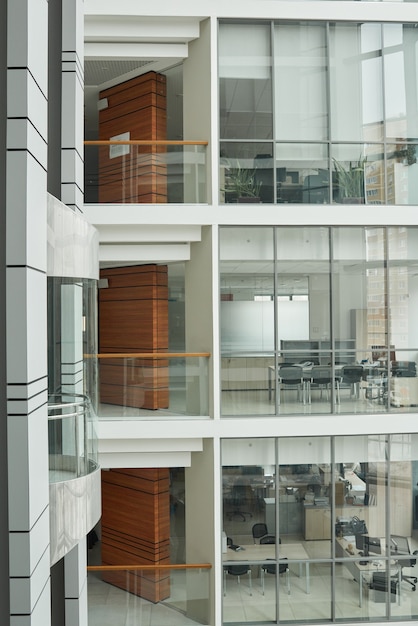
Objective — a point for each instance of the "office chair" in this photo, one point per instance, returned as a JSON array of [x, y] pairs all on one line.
[[268, 540], [240, 498], [270, 568], [352, 375], [291, 376], [238, 571], [321, 378], [412, 580], [259, 530]]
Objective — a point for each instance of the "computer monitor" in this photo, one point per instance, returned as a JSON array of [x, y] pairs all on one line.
[[371, 545], [360, 541]]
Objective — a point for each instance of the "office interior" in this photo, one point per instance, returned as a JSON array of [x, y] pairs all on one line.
[[283, 497], [318, 320]]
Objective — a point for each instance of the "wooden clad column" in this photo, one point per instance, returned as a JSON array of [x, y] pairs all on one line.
[[136, 529], [136, 109], [133, 317]]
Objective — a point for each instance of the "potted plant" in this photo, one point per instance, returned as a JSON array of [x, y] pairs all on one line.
[[241, 184], [350, 180]]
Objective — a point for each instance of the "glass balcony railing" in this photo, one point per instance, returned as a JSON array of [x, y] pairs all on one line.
[[141, 384], [72, 437], [146, 172], [149, 595]]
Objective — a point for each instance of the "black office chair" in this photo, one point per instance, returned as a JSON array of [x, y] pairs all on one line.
[[238, 571], [321, 378], [259, 530], [291, 376], [268, 540], [241, 497], [351, 376], [412, 580], [270, 568]]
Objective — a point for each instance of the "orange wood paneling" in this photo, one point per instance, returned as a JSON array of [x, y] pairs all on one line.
[[133, 317], [137, 106], [136, 528]]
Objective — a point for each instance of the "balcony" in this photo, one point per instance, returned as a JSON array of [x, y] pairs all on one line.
[[74, 475], [153, 385], [145, 172]]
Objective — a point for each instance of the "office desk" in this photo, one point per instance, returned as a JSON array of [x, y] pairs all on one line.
[[260, 553], [361, 573]]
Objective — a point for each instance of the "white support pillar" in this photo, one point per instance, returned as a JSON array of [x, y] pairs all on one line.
[[75, 576], [72, 103], [26, 316]]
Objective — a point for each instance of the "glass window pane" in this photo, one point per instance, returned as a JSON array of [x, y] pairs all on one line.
[[246, 172], [360, 317], [300, 81], [248, 479], [401, 93], [245, 81], [247, 320], [358, 174], [402, 173], [302, 173], [356, 82]]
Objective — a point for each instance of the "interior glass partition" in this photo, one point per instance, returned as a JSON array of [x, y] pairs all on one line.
[[320, 321], [337, 515]]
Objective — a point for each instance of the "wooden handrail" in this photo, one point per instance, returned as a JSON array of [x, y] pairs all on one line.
[[148, 355], [116, 568], [144, 142]]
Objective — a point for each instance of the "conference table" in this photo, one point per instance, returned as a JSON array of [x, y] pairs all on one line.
[[258, 553]]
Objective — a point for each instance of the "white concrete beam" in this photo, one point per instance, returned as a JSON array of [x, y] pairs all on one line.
[[135, 27], [139, 253], [144, 459], [148, 233], [131, 50]]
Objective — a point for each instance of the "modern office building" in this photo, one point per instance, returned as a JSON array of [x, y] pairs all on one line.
[[208, 340]]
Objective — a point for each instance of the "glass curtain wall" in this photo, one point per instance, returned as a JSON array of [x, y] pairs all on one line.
[[318, 113], [318, 320], [319, 528]]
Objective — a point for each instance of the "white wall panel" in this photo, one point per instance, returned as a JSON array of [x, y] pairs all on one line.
[[41, 613], [24, 99], [25, 592], [26, 211], [26, 316], [22, 135], [27, 548], [28, 468], [29, 18]]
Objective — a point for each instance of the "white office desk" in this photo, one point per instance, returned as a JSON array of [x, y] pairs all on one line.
[[260, 553], [361, 573]]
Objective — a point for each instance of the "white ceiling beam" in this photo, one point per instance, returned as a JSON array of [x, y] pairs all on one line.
[[143, 459], [141, 253], [137, 233], [135, 51], [139, 28], [151, 446]]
